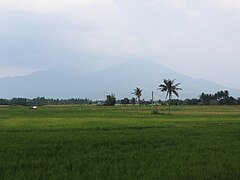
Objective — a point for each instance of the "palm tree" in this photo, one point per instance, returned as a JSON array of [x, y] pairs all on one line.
[[138, 93], [170, 88]]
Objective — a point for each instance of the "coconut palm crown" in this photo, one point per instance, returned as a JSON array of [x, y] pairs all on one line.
[[138, 93], [171, 88]]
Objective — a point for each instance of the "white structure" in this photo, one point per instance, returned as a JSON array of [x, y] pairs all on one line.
[[34, 107]]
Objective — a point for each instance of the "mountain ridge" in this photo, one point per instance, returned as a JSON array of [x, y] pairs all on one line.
[[119, 79]]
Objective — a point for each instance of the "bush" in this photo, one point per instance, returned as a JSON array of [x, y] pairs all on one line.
[[155, 111], [111, 100]]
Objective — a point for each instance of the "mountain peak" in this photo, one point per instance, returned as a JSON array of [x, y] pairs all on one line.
[[120, 79]]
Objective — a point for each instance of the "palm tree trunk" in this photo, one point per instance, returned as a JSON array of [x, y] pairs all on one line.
[[169, 104], [139, 106]]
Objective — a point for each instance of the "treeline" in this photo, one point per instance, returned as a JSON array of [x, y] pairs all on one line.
[[219, 98], [39, 101]]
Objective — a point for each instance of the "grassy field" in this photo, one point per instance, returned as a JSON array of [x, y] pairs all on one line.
[[88, 142]]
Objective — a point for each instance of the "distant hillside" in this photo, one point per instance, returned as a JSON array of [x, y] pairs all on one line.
[[120, 79]]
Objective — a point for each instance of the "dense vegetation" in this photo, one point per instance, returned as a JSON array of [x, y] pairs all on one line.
[[219, 98], [43, 101], [97, 142]]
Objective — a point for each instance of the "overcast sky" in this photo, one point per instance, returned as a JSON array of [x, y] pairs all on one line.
[[199, 38]]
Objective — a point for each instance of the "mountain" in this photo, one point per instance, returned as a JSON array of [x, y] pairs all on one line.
[[119, 79]]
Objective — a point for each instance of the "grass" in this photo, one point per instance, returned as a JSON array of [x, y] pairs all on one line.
[[88, 142]]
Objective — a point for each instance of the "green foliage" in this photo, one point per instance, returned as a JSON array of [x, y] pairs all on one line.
[[220, 97], [155, 111], [138, 93], [125, 101], [111, 100], [89, 142], [170, 88], [133, 101], [39, 101]]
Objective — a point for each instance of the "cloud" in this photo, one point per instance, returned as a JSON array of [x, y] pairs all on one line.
[[58, 6], [223, 5], [182, 6], [178, 5], [92, 11], [47, 31], [196, 9], [42, 6], [16, 71], [90, 33]]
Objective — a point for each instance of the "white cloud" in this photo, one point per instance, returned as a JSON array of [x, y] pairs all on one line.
[[223, 5], [175, 32], [183, 6], [16, 71], [173, 4], [195, 8], [71, 15], [94, 11], [41, 6], [57, 6]]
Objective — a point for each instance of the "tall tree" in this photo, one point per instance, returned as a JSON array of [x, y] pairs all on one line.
[[125, 101], [111, 100], [171, 88], [138, 93], [133, 101]]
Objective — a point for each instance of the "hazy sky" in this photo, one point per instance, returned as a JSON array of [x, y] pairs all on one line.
[[200, 38]]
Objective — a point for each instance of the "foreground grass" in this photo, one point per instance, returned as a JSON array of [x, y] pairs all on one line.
[[87, 142]]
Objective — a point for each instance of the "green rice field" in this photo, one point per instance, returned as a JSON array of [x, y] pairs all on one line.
[[96, 142]]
